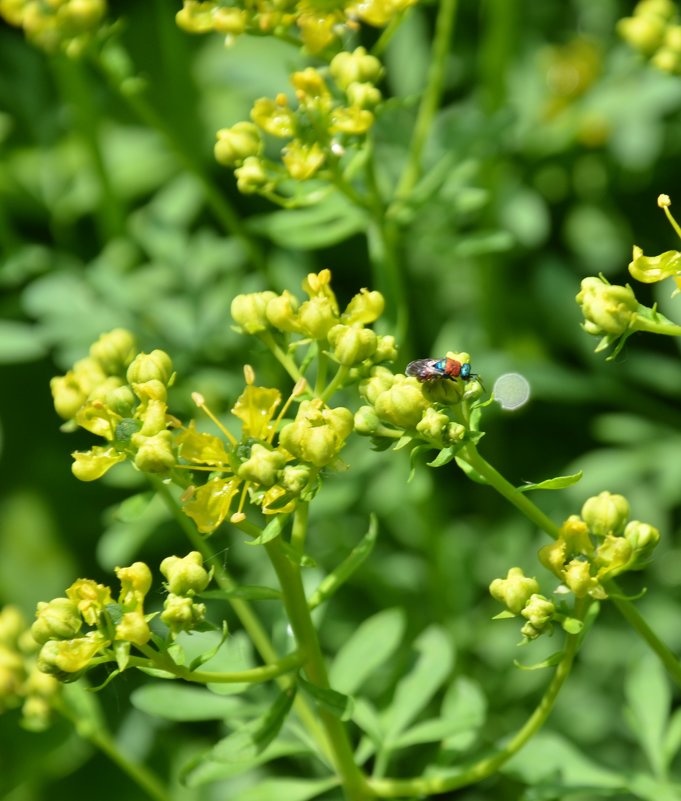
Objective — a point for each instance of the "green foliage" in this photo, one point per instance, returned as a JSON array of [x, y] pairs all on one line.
[[508, 152]]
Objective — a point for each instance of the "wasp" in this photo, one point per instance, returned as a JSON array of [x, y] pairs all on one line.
[[436, 369]]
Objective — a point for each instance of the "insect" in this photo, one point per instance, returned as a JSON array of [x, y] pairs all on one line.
[[436, 369]]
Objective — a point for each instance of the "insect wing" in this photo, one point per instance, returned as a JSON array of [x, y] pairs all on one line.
[[425, 369]]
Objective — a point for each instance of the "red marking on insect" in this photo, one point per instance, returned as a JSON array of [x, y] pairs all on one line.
[[436, 369]]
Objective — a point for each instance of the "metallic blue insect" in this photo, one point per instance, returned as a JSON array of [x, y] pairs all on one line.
[[436, 369]]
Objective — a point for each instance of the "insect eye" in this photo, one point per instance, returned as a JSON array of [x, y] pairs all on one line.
[[465, 371]]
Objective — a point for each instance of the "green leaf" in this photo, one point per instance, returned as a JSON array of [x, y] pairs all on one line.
[[465, 703], [347, 567], [445, 456], [204, 769], [207, 655], [559, 482], [271, 531], [371, 645], [134, 507], [435, 661], [504, 615], [253, 737], [470, 472], [132, 523], [572, 625], [247, 592], [672, 740], [20, 342], [328, 222], [173, 701], [648, 702], [338, 704], [428, 731]]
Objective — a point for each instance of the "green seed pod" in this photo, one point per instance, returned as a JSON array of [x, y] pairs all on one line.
[[133, 628], [402, 404], [114, 351], [234, 145], [156, 365], [643, 539], [154, 454], [186, 575], [249, 311], [181, 613], [607, 308], [366, 420]]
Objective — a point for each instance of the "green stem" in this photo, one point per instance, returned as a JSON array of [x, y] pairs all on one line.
[[102, 740], [444, 27], [494, 478], [299, 528], [633, 617], [393, 788], [242, 610], [283, 358], [290, 580], [251, 676], [336, 382], [382, 241], [654, 326]]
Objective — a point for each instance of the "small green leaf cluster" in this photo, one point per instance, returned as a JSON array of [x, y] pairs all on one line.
[[60, 25], [654, 31]]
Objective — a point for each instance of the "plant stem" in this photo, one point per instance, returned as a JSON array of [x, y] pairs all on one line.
[[102, 740], [354, 782], [494, 478], [633, 617], [393, 788], [251, 676], [283, 358], [299, 528], [444, 27]]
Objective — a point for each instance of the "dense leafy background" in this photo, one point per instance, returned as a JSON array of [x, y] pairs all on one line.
[[557, 142]]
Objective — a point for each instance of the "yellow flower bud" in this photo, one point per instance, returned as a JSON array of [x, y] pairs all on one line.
[[281, 312], [156, 365], [151, 390], [577, 577], [135, 583], [402, 404], [612, 556], [251, 176], [249, 311], [303, 160], [366, 420], [317, 316], [154, 417], [274, 116], [515, 590], [352, 120], [262, 466], [605, 514], [91, 599], [607, 308], [386, 349], [12, 624], [356, 67], [133, 628], [155, 454], [643, 539], [364, 308], [181, 613], [114, 351], [186, 575], [553, 556], [295, 478], [351, 345], [363, 95], [381, 379], [317, 434], [57, 619], [230, 21], [237, 143], [309, 84], [645, 34], [538, 611], [62, 658], [575, 534], [67, 395], [432, 426]]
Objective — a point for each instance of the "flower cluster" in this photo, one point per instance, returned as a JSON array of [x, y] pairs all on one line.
[[654, 31], [327, 118], [120, 395], [317, 25], [65, 25], [434, 413], [590, 550], [342, 335], [87, 627], [21, 683], [613, 313]]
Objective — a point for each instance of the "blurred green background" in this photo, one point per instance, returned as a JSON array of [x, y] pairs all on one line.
[[559, 141]]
